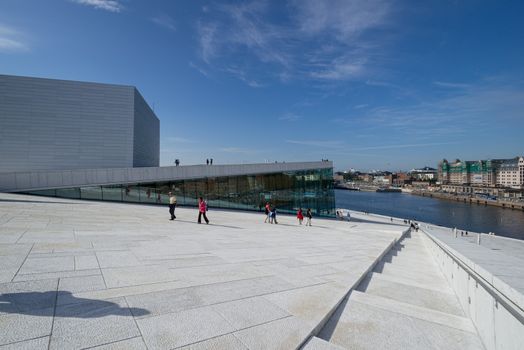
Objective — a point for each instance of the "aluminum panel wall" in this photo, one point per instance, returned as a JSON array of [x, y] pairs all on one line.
[[146, 144], [20, 182], [48, 124]]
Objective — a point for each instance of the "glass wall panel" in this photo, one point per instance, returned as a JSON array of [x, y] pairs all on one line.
[[112, 193], [222, 192], [286, 191], [232, 192], [190, 191], [147, 193], [68, 193], [91, 192], [131, 193], [46, 193], [212, 193]]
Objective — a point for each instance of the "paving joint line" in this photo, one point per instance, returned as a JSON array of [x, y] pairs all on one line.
[[24, 340], [54, 314], [136, 324], [23, 262], [100, 269], [233, 332]]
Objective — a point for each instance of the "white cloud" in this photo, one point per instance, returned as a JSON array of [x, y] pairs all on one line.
[[107, 5], [240, 74], [11, 40], [207, 41], [341, 68], [346, 19], [165, 21], [177, 139], [318, 143], [407, 145], [290, 117], [317, 40], [484, 106], [451, 85], [198, 68], [238, 150]]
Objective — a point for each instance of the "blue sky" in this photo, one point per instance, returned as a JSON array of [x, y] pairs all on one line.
[[369, 84]]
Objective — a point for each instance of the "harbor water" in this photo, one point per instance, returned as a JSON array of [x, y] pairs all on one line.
[[467, 217]]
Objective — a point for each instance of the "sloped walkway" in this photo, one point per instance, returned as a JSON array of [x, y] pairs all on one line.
[[79, 274]]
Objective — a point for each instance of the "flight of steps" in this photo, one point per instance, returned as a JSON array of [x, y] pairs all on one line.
[[405, 303]]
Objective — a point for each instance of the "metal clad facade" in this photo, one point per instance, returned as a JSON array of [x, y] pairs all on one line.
[[48, 124], [146, 145]]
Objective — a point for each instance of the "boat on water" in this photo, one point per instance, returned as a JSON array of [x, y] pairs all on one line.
[[389, 189]]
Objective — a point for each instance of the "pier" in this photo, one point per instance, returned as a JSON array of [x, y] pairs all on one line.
[[86, 274], [472, 200]]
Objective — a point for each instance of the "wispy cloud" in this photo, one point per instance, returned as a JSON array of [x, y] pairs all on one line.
[[407, 145], [238, 150], [322, 41], [11, 40], [346, 19], [177, 139], [290, 117], [198, 69], [241, 74], [318, 143], [473, 106], [206, 32], [341, 68], [164, 21], [107, 5], [451, 85]]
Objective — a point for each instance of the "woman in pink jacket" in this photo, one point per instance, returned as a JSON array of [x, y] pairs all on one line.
[[202, 208]]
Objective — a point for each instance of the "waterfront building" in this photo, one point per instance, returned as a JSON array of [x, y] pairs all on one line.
[[424, 174], [488, 173], [383, 180], [511, 172], [101, 142], [400, 179]]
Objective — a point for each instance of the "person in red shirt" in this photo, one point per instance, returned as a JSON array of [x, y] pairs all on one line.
[[267, 210], [202, 208], [300, 216]]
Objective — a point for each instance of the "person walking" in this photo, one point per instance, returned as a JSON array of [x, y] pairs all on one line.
[[202, 208], [172, 205], [300, 216], [309, 216], [267, 210], [274, 215], [207, 161]]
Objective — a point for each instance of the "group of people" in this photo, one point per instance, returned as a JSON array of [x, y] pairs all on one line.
[[270, 211], [271, 215], [202, 208]]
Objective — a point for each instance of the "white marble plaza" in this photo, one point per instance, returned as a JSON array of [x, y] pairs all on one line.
[[79, 274]]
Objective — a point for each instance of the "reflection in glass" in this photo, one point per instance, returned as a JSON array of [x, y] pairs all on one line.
[[288, 191]]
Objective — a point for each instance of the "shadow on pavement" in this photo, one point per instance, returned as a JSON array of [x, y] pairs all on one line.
[[43, 304], [210, 224]]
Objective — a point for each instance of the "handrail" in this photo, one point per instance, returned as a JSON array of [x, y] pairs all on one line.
[[508, 304]]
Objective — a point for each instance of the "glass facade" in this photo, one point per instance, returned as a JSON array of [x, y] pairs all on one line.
[[288, 191]]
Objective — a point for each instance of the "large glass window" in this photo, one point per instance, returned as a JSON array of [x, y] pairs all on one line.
[[287, 191]]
